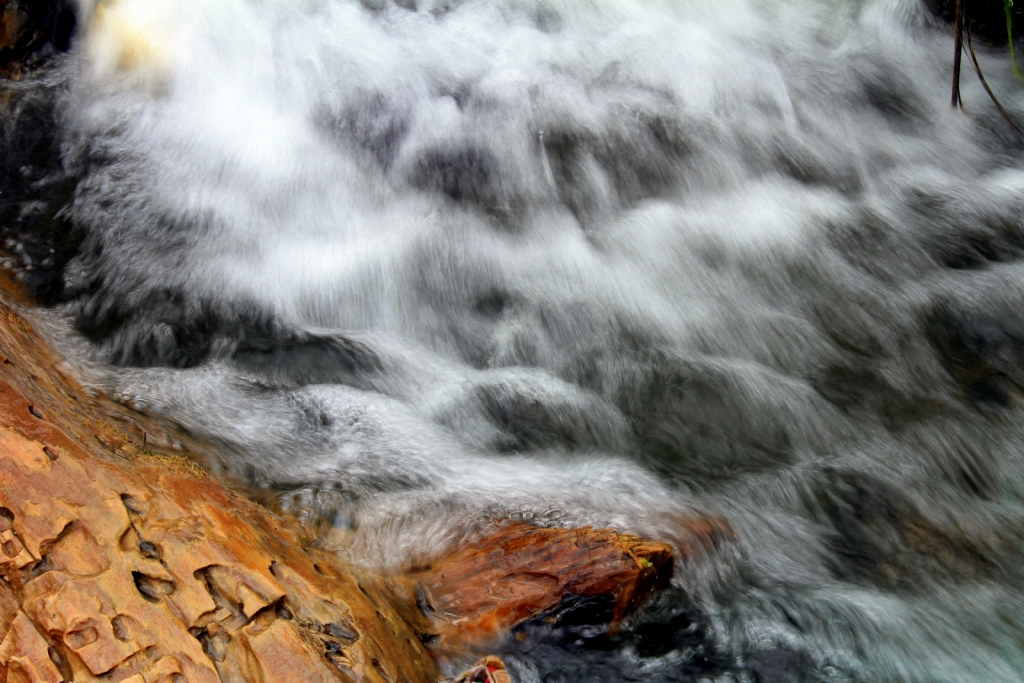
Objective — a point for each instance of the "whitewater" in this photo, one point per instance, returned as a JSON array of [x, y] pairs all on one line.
[[413, 265]]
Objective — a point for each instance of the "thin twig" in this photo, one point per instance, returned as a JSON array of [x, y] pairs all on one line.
[[977, 70], [958, 47]]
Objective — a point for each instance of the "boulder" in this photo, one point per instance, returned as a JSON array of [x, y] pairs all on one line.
[[479, 591], [120, 565]]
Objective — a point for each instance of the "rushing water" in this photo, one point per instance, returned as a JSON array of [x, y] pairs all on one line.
[[583, 262]]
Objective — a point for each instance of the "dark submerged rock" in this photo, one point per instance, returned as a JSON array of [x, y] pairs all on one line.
[[31, 30], [34, 187], [671, 641], [881, 538], [981, 349]]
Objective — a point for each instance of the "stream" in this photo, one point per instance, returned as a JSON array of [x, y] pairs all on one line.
[[404, 266]]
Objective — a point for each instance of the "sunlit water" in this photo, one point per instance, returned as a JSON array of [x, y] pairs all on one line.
[[585, 262]]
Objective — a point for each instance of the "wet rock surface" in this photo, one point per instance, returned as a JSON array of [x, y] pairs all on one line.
[[502, 578], [32, 30], [120, 564], [36, 240], [669, 643], [881, 538]]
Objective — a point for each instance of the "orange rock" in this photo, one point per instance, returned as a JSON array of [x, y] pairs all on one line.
[[487, 670], [480, 591], [118, 590], [120, 565], [24, 654]]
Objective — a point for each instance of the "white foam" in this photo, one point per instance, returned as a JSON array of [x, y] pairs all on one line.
[[606, 253]]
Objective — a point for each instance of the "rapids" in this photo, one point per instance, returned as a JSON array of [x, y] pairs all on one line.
[[414, 264]]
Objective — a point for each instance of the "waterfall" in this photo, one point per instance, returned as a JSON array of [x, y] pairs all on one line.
[[583, 262]]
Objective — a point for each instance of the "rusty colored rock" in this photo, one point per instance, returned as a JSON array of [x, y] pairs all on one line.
[[477, 593], [119, 565], [152, 569], [487, 670], [163, 574]]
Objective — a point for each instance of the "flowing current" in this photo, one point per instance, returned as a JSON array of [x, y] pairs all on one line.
[[610, 262]]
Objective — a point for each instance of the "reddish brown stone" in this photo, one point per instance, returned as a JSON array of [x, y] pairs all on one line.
[[121, 565], [118, 564], [480, 591], [487, 670]]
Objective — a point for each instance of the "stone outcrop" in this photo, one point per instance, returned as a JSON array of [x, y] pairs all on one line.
[[118, 564], [153, 572]]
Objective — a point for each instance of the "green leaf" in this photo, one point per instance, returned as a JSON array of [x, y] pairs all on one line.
[[1007, 4]]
